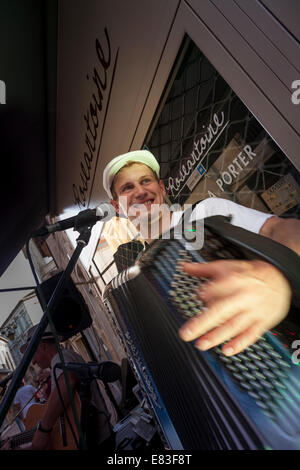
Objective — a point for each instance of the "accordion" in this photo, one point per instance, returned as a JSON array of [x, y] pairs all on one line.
[[205, 400]]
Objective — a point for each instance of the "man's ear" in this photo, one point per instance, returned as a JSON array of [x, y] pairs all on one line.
[[162, 186]]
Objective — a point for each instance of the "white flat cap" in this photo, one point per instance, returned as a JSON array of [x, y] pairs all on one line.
[[115, 165]]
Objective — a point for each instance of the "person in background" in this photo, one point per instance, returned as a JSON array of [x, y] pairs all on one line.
[[24, 399]]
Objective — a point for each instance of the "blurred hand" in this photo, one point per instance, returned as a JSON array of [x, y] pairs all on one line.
[[243, 300]]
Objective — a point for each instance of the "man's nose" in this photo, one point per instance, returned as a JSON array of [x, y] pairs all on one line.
[[140, 191]]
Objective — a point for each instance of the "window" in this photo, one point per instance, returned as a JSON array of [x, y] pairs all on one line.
[[209, 144]]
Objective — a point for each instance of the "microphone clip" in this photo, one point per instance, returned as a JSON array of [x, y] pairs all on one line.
[[85, 220], [83, 223]]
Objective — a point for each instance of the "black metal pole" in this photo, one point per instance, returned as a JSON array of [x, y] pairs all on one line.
[[12, 289]]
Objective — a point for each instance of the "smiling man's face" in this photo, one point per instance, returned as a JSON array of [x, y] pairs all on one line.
[[136, 186]]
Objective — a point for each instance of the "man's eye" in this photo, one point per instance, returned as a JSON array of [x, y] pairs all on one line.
[[126, 188]]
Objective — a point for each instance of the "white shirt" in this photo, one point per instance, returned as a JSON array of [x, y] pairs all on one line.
[[25, 394], [249, 219]]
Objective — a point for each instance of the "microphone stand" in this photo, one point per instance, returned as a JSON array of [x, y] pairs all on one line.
[[85, 379], [82, 241], [86, 376]]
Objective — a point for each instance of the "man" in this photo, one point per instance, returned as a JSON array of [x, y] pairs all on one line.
[[46, 356], [240, 292]]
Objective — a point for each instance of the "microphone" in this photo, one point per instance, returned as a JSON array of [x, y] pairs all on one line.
[[85, 218], [107, 371]]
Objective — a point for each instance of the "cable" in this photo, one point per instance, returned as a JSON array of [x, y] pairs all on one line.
[[107, 415]]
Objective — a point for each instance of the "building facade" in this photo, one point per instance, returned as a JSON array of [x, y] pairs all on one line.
[[27, 313], [7, 363]]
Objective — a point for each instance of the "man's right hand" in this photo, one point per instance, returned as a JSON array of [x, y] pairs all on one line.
[[243, 300]]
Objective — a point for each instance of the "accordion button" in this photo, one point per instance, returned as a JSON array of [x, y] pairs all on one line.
[[256, 384], [263, 395]]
